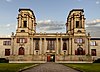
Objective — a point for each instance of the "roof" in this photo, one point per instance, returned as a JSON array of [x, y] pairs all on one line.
[[26, 9], [5, 38], [95, 38], [74, 10]]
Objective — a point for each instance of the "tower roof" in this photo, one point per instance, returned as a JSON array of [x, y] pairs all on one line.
[[27, 10], [74, 10]]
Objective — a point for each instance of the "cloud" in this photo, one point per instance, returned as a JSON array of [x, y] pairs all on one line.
[[95, 22], [8, 0], [97, 2], [79, 0], [50, 25], [93, 27], [7, 29]]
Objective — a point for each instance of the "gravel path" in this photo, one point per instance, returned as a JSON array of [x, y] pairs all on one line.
[[51, 67]]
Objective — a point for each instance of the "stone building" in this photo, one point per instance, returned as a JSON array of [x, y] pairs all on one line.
[[27, 45]]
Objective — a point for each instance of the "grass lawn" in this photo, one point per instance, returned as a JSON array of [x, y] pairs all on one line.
[[8, 67], [94, 67]]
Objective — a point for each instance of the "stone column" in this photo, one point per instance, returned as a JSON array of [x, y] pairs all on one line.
[[19, 21], [88, 46], [69, 46], [57, 46], [12, 45], [72, 46], [32, 46], [40, 45], [60, 46], [27, 21], [45, 45], [83, 22], [22, 25], [30, 52]]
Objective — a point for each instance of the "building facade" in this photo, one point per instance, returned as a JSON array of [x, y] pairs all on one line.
[[27, 45]]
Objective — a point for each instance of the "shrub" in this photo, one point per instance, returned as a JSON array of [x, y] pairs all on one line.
[[3, 60], [97, 61]]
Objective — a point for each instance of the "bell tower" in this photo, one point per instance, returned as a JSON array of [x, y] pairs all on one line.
[[76, 22], [26, 22]]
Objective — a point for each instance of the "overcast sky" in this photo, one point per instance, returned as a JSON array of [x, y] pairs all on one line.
[[51, 15]]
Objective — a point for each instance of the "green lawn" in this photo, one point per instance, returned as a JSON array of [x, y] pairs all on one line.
[[8, 67], [94, 67]]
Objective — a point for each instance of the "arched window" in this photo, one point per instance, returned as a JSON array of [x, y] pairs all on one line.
[[21, 51], [80, 51]]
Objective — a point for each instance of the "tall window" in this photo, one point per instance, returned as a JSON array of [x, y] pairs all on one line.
[[21, 51], [37, 45], [25, 23], [6, 42], [64, 45], [7, 52], [51, 45], [77, 24], [93, 52]]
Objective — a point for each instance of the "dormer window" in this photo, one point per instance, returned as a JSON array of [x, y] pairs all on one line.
[[25, 24]]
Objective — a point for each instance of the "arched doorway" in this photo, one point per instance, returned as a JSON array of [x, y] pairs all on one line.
[[21, 51], [79, 51]]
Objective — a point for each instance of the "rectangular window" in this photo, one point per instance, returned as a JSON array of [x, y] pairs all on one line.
[[77, 24], [37, 45], [93, 43], [93, 52], [64, 45], [79, 40], [21, 40], [25, 24], [6, 42], [51, 45], [7, 52]]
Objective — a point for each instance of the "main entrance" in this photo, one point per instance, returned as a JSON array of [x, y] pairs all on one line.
[[50, 58]]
